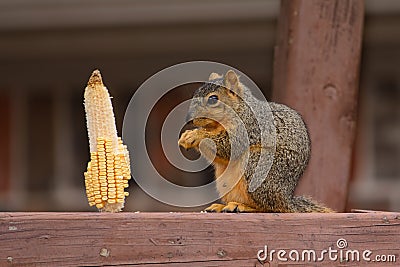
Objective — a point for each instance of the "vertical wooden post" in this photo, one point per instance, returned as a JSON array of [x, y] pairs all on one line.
[[316, 69], [4, 142]]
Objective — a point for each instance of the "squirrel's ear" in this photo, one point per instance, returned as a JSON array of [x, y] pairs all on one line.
[[231, 81], [214, 76]]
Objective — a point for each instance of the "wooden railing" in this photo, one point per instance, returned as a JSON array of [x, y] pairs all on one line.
[[197, 239]]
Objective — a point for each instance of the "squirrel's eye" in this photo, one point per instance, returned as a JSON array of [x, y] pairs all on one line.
[[212, 100]]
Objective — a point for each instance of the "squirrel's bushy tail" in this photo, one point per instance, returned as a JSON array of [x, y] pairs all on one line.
[[305, 204]]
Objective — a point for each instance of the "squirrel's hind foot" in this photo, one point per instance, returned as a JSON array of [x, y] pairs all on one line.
[[215, 208], [231, 207]]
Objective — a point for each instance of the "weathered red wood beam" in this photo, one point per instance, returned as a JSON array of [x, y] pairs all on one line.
[[316, 71], [183, 239], [5, 141]]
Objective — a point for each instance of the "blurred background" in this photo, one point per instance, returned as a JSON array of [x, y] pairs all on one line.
[[48, 50]]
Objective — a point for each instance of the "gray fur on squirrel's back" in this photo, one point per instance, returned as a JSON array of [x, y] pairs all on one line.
[[290, 158]]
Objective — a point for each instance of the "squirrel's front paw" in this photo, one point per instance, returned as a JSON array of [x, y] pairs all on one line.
[[189, 139]]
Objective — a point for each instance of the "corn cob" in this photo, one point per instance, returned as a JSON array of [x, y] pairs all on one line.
[[108, 170]]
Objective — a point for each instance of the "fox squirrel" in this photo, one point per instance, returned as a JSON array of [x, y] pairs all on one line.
[[212, 111]]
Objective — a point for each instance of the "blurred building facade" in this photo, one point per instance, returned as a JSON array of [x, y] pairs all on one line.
[[48, 51]]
